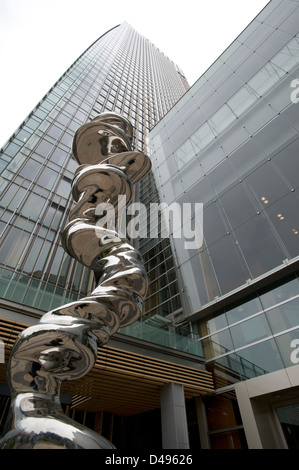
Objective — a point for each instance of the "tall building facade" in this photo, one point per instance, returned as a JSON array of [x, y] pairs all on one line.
[[125, 73], [122, 72], [232, 144], [220, 329]]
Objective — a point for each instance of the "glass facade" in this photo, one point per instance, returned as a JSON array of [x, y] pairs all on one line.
[[254, 337], [122, 72], [231, 143]]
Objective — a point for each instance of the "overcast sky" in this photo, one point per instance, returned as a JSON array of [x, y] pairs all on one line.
[[40, 39]]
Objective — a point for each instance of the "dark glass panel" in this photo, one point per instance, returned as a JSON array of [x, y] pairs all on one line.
[[33, 255], [280, 293], [13, 197], [42, 256], [264, 357], [214, 226], [64, 188], [12, 250], [284, 317], [243, 311], [217, 344], [230, 271], [44, 148], [212, 325], [204, 276], [247, 157], [54, 132], [237, 205], [272, 137], [267, 185], [53, 216], [223, 176], [250, 331], [284, 217], [33, 206], [30, 169], [288, 162], [226, 370], [258, 245], [48, 178], [201, 192]]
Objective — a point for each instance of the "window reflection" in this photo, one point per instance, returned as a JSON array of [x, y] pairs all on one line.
[[259, 246], [250, 331], [280, 293], [284, 317], [237, 205], [222, 119], [241, 100], [266, 182], [264, 356], [12, 249], [30, 169], [222, 177], [48, 178], [287, 162], [243, 311], [217, 344], [265, 78], [284, 217]]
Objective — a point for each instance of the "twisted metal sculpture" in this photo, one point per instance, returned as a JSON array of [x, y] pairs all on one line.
[[63, 346]]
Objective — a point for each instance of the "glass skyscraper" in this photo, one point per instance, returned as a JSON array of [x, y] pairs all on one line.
[[220, 328], [122, 72]]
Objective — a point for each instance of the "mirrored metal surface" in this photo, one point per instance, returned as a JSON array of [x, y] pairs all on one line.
[[63, 346]]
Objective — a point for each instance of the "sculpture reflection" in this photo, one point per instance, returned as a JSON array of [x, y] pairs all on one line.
[[63, 346]]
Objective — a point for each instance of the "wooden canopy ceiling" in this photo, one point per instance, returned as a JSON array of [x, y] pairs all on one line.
[[120, 382]]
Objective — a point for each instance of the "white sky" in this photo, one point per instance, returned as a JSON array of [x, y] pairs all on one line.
[[40, 39]]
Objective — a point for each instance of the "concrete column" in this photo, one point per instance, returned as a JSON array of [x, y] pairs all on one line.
[[202, 423], [248, 417], [99, 422], [173, 416]]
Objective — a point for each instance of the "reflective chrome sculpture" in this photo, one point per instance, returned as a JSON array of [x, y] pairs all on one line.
[[63, 346]]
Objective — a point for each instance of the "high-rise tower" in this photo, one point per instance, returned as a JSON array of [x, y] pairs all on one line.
[[122, 72], [125, 73]]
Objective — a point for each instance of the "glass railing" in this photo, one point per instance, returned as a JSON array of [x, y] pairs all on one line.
[[161, 331], [32, 292], [44, 296]]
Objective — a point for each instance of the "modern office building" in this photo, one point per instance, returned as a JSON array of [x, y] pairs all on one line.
[[232, 144], [125, 73], [212, 362]]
